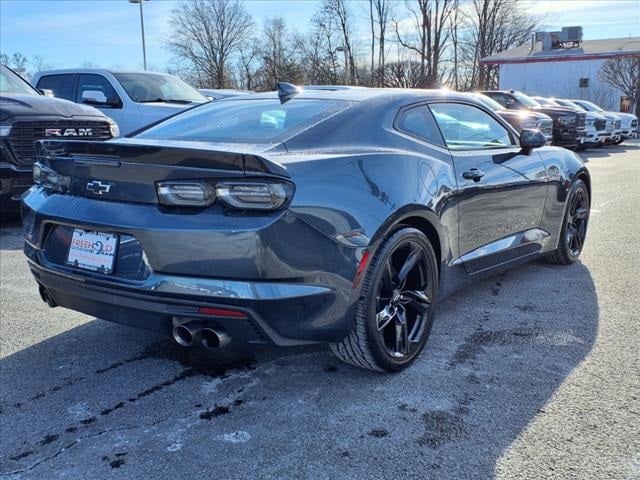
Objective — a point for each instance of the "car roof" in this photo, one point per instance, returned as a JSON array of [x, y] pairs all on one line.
[[364, 94], [95, 70]]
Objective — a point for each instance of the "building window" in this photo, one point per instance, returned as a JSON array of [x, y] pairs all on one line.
[[584, 83]]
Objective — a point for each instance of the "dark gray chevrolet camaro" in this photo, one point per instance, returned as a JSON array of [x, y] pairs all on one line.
[[299, 216]]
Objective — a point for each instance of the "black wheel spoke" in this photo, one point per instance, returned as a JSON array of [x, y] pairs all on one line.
[[578, 241], [416, 299], [580, 214], [384, 317], [412, 260], [402, 335]]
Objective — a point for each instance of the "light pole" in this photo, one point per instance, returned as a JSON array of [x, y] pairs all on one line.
[[144, 50], [344, 51]]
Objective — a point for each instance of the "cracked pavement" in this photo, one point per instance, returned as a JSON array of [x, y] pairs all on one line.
[[532, 374]]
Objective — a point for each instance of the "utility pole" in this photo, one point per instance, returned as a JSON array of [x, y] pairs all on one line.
[[144, 49]]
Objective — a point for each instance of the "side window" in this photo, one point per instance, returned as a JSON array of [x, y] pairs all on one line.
[[465, 127], [418, 122], [97, 84], [63, 85]]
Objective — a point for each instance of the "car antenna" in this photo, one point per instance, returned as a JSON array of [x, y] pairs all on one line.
[[286, 91]]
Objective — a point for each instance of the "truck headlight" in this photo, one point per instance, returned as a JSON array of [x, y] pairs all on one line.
[[5, 130], [566, 120], [114, 129]]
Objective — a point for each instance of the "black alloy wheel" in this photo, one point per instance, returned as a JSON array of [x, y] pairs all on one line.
[[574, 228], [576, 231], [396, 311]]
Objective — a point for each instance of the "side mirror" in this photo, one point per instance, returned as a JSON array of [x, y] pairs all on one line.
[[46, 92], [95, 97], [530, 139]]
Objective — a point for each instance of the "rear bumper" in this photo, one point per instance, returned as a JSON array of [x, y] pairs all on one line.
[[274, 313], [287, 296]]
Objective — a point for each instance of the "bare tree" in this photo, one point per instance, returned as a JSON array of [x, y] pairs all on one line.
[[623, 73], [402, 75], [373, 41], [207, 34], [16, 61], [337, 9], [317, 51], [492, 26], [429, 38], [379, 11], [277, 55], [248, 64]]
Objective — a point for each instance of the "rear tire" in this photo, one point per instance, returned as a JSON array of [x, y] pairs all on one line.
[[574, 226], [395, 312]]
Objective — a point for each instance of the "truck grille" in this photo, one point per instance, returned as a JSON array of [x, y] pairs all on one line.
[[546, 127], [600, 124], [23, 134], [580, 120]]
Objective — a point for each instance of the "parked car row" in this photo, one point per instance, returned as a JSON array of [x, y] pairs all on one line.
[[577, 124]]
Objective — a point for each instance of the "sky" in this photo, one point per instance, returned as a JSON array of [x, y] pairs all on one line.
[[106, 33]]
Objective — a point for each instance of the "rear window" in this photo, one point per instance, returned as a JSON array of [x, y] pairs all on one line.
[[243, 121]]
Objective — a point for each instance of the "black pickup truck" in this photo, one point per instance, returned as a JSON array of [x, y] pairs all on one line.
[[568, 125], [27, 115]]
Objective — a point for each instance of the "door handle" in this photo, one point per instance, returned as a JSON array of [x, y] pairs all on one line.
[[473, 174]]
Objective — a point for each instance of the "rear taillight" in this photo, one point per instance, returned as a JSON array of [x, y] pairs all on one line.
[[254, 195], [186, 194], [242, 195], [50, 179]]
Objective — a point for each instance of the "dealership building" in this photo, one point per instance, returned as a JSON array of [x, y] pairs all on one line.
[[560, 64]]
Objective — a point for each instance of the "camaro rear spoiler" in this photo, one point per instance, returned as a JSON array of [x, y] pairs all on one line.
[[180, 154]]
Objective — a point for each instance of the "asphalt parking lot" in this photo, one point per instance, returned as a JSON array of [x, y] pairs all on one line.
[[533, 374]]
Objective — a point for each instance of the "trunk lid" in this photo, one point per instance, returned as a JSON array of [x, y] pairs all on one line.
[[128, 170]]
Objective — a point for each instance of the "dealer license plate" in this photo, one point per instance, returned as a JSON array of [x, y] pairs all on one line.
[[94, 251]]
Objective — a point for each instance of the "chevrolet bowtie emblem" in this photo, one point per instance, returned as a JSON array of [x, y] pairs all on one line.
[[98, 188]]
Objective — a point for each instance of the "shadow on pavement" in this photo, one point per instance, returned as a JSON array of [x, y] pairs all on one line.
[[610, 150], [102, 400]]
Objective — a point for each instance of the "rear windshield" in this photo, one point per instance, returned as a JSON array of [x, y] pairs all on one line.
[[243, 121]]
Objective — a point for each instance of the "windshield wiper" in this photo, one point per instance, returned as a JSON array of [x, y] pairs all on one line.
[[165, 100]]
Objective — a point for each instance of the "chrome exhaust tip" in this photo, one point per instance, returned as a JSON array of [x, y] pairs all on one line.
[[186, 334], [214, 338]]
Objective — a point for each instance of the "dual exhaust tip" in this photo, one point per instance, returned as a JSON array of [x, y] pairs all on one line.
[[186, 334]]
